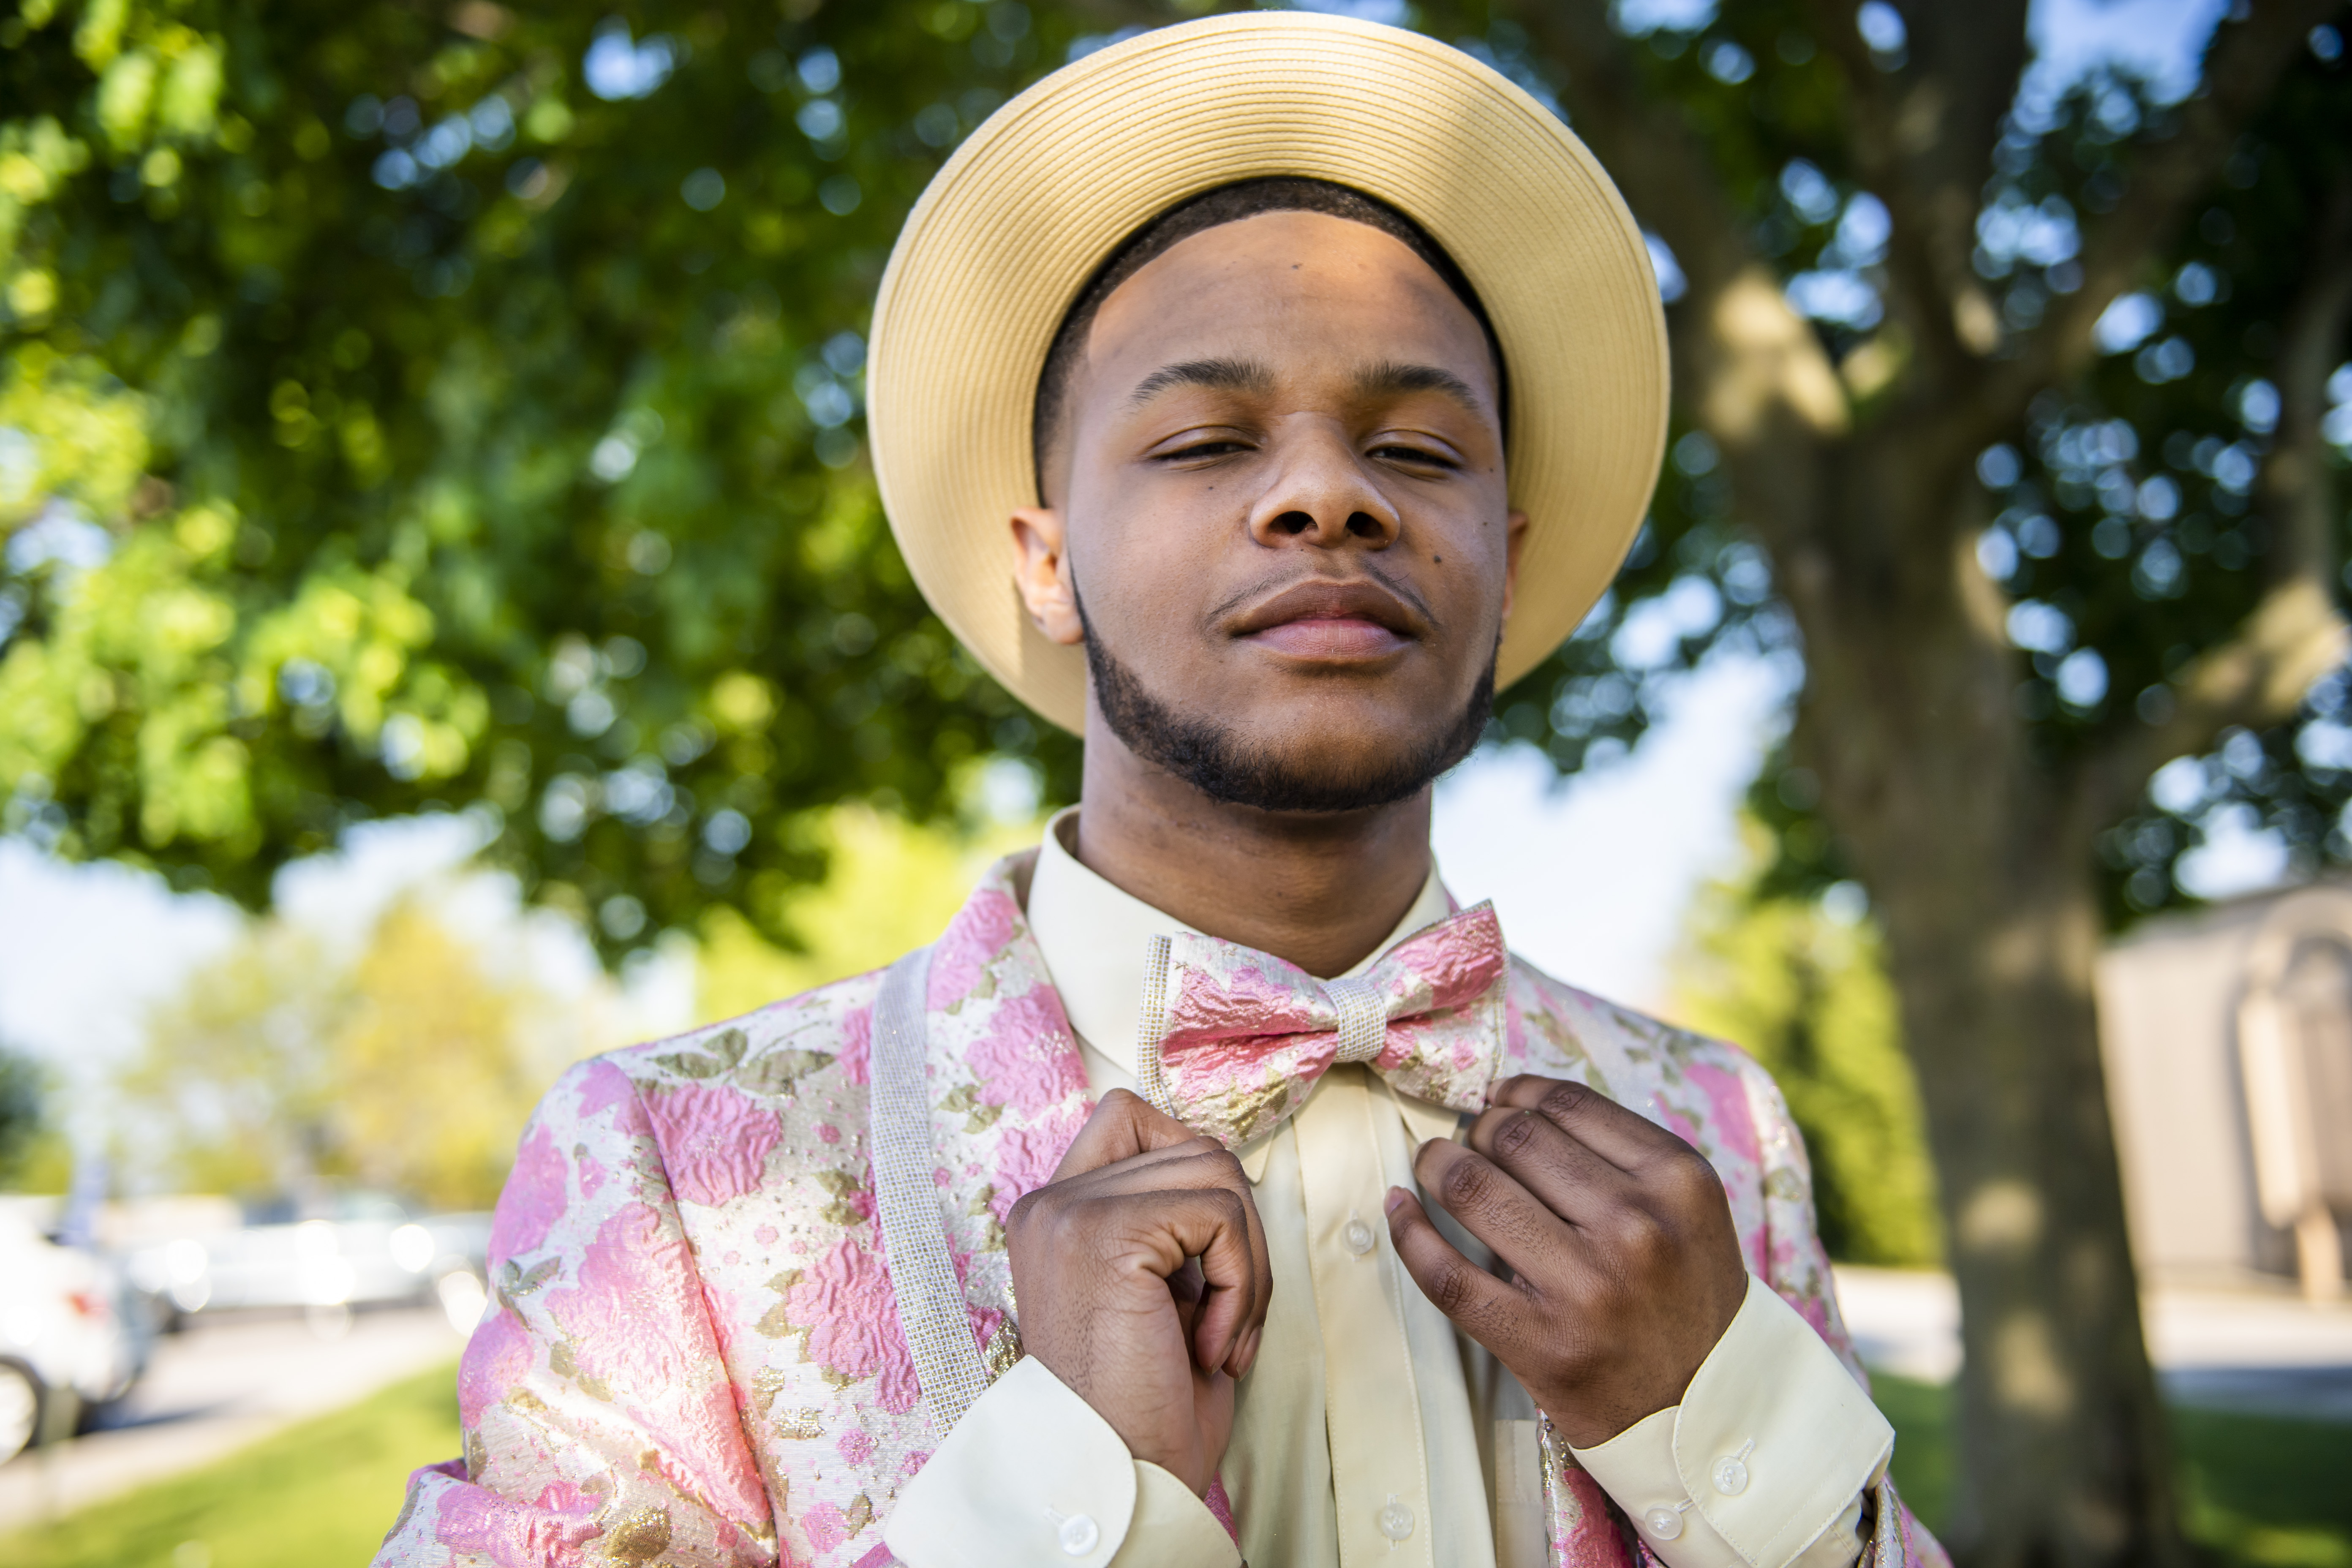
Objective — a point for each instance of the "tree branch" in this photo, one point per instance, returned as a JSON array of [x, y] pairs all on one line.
[[2296, 633], [1647, 146], [1923, 140], [2298, 485], [2294, 638], [2242, 65], [1751, 372]]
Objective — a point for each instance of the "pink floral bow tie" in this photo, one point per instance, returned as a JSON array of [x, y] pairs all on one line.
[[1233, 1039]]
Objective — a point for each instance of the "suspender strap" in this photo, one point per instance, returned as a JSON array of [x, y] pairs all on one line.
[[914, 1224]]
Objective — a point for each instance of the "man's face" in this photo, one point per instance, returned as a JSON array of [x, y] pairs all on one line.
[[1277, 513]]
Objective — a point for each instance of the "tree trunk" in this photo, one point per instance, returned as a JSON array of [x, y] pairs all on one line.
[[1978, 853], [1976, 846]]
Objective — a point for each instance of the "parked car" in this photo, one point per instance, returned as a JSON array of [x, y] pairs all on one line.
[[67, 1343], [355, 1249]]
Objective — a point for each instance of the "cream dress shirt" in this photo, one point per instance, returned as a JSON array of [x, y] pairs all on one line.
[[1370, 1431]]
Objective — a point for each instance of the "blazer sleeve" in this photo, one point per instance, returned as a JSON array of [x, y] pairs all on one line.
[[599, 1422]]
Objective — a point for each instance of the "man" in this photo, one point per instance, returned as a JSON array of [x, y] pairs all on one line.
[[1316, 375]]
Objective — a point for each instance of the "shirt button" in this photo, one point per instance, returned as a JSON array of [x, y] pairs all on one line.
[[1730, 1475], [1664, 1522], [1396, 1519], [1080, 1535], [1359, 1237]]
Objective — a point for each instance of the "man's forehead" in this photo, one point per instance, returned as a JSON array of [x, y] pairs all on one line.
[[1366, 379], [1247, 291], [1279, 252]]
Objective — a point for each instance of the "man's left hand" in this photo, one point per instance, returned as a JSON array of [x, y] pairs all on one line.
[[1625, 1265]]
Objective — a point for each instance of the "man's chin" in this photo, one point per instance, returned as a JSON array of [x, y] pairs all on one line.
[[1321, 752], [1317, 773]]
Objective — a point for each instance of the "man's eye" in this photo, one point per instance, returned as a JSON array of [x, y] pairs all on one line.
[[1214, 446], [1420, 457]]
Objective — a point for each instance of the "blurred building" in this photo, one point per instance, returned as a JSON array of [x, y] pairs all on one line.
[[2228, 1039]]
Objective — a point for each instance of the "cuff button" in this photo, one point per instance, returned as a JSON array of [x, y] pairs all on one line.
[[1665, 1523], [1080, 1534], [1731, 1472]]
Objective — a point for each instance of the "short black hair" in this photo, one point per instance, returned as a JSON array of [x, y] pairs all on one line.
[[1211, 209]]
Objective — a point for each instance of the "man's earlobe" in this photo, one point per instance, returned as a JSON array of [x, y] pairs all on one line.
[[1515, 541], [1041, 570]]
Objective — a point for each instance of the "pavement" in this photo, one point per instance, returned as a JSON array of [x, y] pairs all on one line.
[[2255, 1351], [217, 1386]]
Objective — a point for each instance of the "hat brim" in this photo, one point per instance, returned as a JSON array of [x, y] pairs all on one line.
[[1034, 202]]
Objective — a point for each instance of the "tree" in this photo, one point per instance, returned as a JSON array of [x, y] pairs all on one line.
[[405, 407], [407, 1063], [1990, 687]]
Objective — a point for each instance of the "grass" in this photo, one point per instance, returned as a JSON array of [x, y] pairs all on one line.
[[318, 1495], [2262, 1492]]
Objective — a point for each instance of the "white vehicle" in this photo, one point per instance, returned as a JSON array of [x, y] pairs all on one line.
[[65, 1343], [360, 1249]]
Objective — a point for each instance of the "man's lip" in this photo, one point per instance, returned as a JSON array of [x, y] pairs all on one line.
[[1329, 637], [1360, 601]]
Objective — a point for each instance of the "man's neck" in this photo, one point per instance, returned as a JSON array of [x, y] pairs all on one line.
[[1318, 888]]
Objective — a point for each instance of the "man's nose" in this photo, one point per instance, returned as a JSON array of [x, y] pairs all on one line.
[[1319, 494]]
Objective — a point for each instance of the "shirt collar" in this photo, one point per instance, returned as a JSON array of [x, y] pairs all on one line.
[[1094, 936]]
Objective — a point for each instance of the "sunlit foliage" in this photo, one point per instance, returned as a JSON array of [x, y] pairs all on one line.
[[890, 884], [405, 1062], [402, 406], [1802, 983]]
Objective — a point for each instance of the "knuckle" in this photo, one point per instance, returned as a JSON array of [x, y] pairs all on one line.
[[1692, 1182], [1564, 1099], [1026, 1209], [1511, 1138], [1060, 1228], [1639, 1235], [1450, 1288], [1466, 1184]]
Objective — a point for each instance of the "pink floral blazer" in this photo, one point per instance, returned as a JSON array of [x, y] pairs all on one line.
[[692, 1355]]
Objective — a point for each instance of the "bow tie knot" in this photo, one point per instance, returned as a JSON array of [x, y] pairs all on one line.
[[1232, 1040]]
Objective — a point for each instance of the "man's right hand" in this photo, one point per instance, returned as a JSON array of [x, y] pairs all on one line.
[[1141, 1280]]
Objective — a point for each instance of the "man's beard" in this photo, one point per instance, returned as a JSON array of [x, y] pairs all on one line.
[[1223, 766]]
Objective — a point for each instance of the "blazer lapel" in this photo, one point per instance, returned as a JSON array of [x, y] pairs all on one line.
[[1008, 1089]]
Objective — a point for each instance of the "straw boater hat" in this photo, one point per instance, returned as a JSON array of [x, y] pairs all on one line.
[[1039, 196]]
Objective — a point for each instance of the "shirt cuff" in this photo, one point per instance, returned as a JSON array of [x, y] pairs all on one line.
[[1034, 1475], [1765, 1462]]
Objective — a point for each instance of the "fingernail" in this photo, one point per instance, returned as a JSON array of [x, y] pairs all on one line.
[[1396, 1198]]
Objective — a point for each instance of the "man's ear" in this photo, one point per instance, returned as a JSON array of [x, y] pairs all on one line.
[[1514, 541], [1041, 570]]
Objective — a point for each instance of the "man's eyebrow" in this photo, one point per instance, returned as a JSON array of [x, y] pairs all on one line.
[[1391, 377], [1218, 374]]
